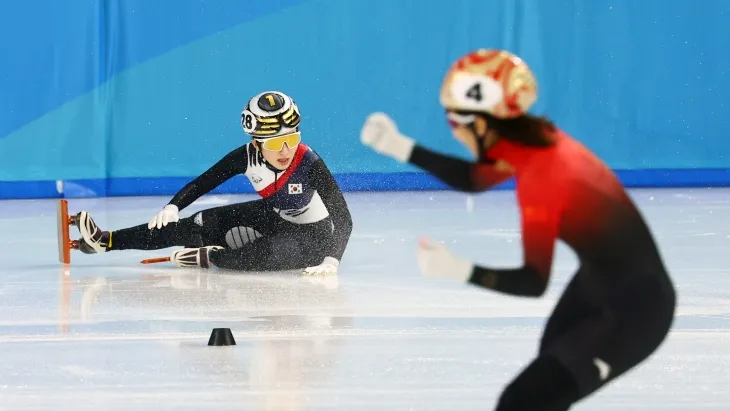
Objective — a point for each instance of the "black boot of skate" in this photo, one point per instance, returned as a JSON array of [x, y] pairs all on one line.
[[93, 239]]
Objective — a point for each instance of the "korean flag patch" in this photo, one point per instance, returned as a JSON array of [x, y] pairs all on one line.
[[295, 188]]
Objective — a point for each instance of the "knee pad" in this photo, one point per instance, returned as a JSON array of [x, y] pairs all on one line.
[[238, 237]]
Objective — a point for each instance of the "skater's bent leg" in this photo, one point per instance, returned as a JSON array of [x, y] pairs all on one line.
[[544, 385], [274, 253], [183, 233], [608, 342], [572, 308], [204, 228]]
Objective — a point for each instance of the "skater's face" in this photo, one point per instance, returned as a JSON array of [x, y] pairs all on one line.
[[279, 151], [467, 128]]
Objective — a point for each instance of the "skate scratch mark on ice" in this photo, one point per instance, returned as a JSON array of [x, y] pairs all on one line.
[[79, 371]]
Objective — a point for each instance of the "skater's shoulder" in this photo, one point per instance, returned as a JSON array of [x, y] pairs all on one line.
[[309, 153], [304, 156]]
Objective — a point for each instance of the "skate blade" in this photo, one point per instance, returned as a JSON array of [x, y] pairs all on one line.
[[63, 222], [155, 260]]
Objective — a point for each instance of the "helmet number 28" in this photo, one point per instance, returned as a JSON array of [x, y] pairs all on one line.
[[247, 121]]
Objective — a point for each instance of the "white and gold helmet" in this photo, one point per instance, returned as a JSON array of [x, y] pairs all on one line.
[[495, 82], [270, 114]]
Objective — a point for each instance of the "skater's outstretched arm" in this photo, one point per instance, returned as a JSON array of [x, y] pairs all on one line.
[[459, 174], [382, 135], [230, 165], [524, 281], [540, 225], [322, 181]]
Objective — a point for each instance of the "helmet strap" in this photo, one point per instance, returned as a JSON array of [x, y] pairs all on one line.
[[481, 138], [262, 160]]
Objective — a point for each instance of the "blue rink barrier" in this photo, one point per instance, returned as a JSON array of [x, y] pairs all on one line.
[[106, 94], [375, 182]]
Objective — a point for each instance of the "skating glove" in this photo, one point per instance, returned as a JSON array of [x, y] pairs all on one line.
[[435, 260], [169, 214], [328, 267], [381, 134]]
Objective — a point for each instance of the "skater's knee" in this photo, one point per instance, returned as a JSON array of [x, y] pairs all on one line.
[[188, 233]]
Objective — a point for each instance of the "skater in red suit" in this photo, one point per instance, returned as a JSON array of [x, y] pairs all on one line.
[[619, 306]]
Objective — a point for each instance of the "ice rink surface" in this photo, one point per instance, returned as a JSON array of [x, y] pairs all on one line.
[[110, 334]]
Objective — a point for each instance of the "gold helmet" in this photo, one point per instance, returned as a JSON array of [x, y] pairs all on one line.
[[495, 82], [270, 114]]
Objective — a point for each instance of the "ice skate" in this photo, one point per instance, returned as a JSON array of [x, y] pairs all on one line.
[[63, 221], [93, 239], [193, 257]]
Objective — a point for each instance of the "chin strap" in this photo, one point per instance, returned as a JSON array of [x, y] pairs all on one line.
[[482, 158], [271, 167]]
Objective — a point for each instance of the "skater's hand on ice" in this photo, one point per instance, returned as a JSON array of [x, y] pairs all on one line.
[[328, 267], [381, 134], [435, 260], [167, 215]]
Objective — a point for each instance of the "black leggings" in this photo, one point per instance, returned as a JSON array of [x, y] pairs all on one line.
[[586, 345], [254, 237]]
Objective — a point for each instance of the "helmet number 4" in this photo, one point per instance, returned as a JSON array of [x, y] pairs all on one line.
[[475, 92]]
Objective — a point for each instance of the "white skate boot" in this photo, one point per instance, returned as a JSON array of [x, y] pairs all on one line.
[[193, 257], [93, 240]]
